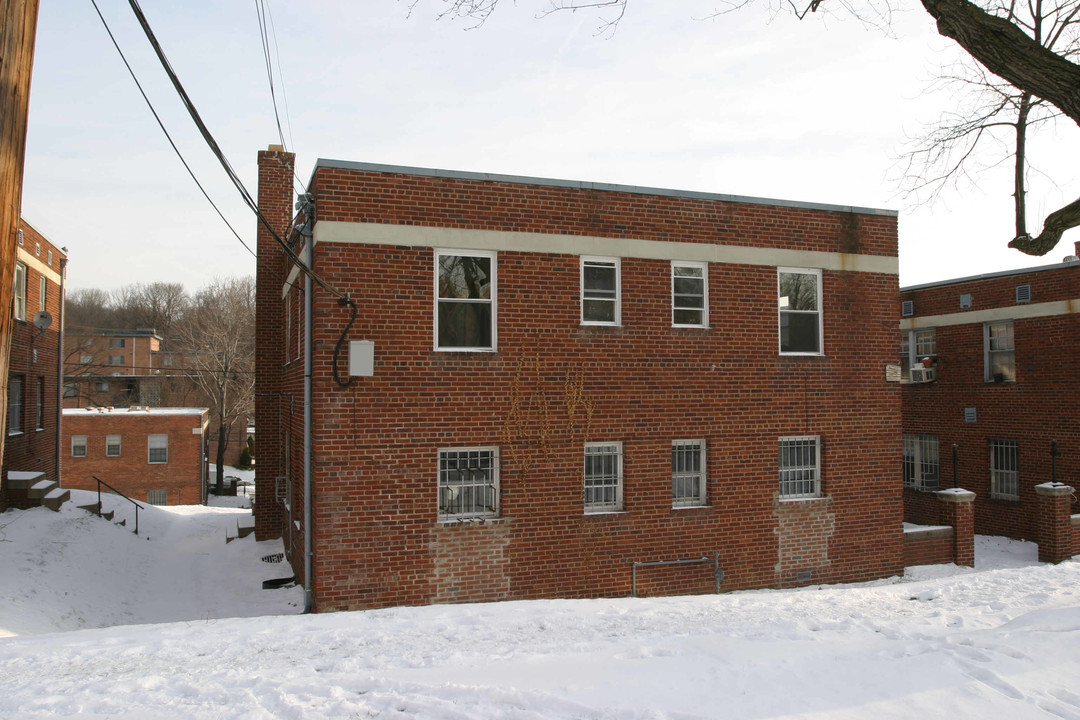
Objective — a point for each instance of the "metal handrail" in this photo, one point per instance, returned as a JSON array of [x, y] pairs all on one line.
[[138, 507]]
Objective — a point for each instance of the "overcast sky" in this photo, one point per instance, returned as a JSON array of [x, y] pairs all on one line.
[[752, 103]]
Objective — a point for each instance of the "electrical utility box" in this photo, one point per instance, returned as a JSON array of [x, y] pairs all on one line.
[[361, 358]]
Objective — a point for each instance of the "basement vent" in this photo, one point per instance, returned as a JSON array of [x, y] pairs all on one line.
[[907, 308], [965, 301], [804, 575], [1023, 294], [969, 414]]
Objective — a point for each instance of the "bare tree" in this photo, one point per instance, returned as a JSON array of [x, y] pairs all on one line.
[[218, 337], [992, 121], [994, 36], [156, 305]]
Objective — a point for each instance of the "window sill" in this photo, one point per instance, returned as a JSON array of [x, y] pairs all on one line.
[[803, 499], [12, 433], [594, 513], [585, 323], [469, 520], [802, 354], [465, 350], [676, 508]]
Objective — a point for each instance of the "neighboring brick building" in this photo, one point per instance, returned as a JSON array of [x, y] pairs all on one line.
[[1000, 385], [154, 455], [561, 384], [32, 445]]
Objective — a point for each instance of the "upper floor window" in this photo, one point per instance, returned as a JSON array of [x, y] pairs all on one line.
[[603, 477], [1000, 357], [78, 446], [799, 295], [41, 403], [468, 483], [1004, 470], [49, 255], [112, 445], [19, 292], [15, 404], [689, 294], [465, 292], [915, 347], [43, 293], [921, 466], [601, 300], [687, 473], [157, 449], [116, 359], [116, 342], [800, 467]]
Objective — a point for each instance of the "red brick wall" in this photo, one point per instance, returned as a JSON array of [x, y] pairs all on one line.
[[34, 356], [1038, 407], [928, 548], [131, 473], [377, 539]]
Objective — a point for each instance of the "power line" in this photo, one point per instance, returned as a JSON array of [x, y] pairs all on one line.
[[212, 143], [262, 11], [162, 126]]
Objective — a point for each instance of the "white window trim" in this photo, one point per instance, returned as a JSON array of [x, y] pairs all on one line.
[[19, 291], [617, 507], [816, 493], [119, 446], [988, 375], [43, 293], [704, 267], [494, 301], [617, 262], [702, 496], [149, 440], [914, 357], [75, 445], [485, 515], [820, 310]]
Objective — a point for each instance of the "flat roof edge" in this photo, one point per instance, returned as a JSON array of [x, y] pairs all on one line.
[[991, 275], [584, 185]]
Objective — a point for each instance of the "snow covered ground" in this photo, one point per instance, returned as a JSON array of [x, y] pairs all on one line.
[[1002, 641]]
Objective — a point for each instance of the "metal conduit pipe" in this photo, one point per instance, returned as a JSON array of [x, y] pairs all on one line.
[[309, 553]]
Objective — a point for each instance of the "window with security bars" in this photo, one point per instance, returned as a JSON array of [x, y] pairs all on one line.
[[689, 294], [687, 473], [800, 467], [1004, 470], [468, 483], [600, 291], [157, 449], [603, 477], [999, 352], [922, 468], [157, 497]]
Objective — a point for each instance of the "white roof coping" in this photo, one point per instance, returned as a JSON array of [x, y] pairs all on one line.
[[136, 410]]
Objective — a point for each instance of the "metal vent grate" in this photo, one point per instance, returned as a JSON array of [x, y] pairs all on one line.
[[965, 301], [907, 308], [969, 415], [1023, 293]]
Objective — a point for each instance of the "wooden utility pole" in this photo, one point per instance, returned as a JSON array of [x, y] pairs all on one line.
[[18, 25]]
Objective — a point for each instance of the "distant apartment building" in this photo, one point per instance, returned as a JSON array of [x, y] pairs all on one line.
[[29, 475], [155, 455]]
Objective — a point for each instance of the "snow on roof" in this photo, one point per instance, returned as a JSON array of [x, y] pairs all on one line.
[[135, 410]]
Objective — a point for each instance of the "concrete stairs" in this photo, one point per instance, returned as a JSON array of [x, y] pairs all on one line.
[[28, 489]]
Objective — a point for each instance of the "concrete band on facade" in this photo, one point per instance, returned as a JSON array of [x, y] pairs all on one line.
[[1016, 312]]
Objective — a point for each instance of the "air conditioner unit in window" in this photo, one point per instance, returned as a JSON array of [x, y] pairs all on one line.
[[923, 374]]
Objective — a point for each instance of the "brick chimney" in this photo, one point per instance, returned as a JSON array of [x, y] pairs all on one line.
[[276, 203]]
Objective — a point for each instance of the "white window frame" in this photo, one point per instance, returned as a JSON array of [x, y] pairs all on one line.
[[799, 491], [78, 446], [1004, 480], [112, 441], [40, 403], [1004, 344], [151, 447], [19, 291], [43, 293], [683, 478], [914, 346], [493, 300], [819, 312], [16, 385], [482, 466], [922, 462], [603, 482], [595, 261], [677, 265]]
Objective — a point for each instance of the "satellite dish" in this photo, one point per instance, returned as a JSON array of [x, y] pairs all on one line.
[[42, 320]]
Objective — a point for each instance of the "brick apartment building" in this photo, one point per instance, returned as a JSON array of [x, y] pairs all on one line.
[[31, 449], [557, 386], [999, 384], [154, 455]]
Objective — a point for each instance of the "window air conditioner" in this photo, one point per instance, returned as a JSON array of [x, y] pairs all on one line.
[[923, 374]]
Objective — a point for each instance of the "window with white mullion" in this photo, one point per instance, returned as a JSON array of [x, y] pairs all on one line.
[[689, 294], [603, 477], [468, 483], [799, 305], [465, 292], [600, 291], [687, 473], [1004, 469], [999, 351], [800, 467]]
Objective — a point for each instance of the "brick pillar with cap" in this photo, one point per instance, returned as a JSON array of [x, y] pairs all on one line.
[[1054, 521], [958, 510]]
